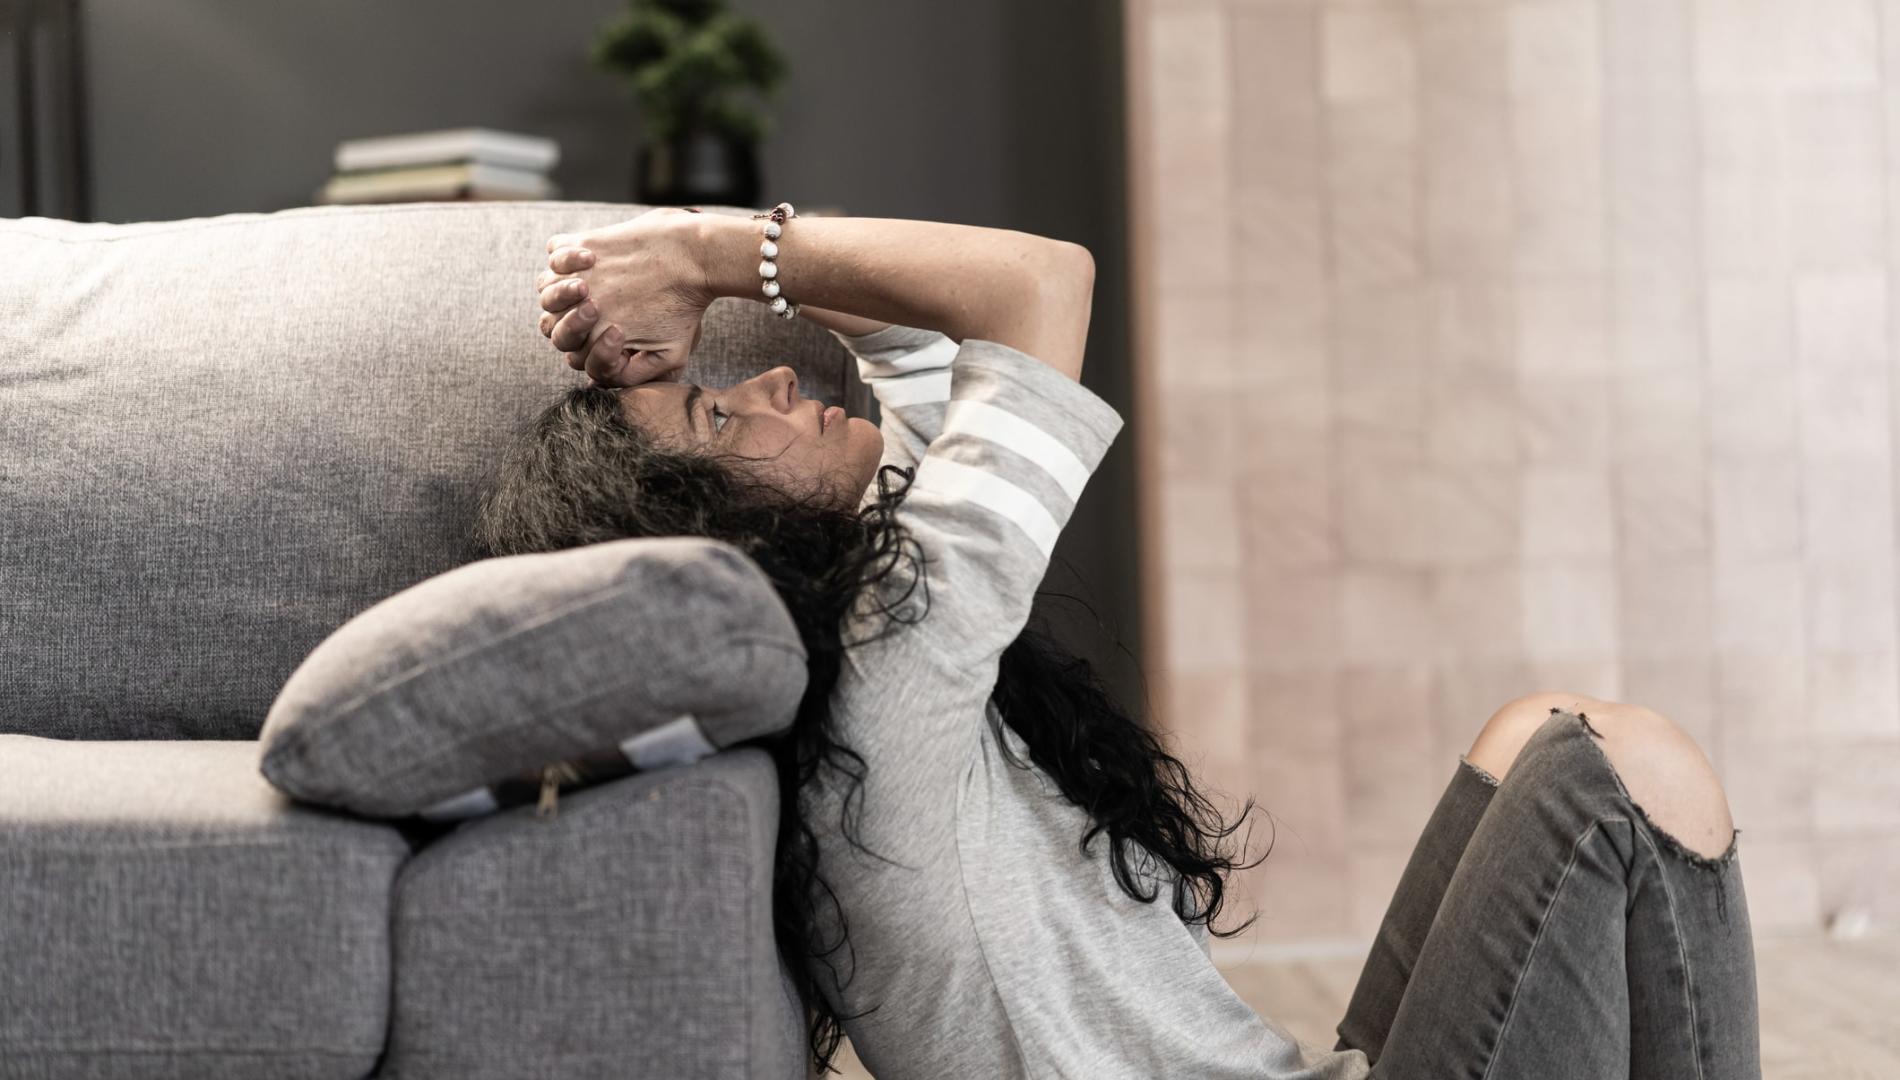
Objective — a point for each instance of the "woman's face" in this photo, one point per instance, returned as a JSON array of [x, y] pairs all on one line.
[[795, 442]]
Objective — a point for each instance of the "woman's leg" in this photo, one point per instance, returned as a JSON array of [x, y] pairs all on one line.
[[1576, 937], [1394, 953], [1408, 918]]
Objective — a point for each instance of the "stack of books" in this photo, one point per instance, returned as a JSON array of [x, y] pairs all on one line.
[[467, 163]]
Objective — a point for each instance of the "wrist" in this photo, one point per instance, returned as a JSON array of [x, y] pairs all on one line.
[[727, 250]]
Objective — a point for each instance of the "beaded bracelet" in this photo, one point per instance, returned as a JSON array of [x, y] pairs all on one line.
[[775, 220]]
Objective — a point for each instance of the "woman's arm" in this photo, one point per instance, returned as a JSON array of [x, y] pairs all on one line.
[[650, 278], [1028, 292], [848, 325]]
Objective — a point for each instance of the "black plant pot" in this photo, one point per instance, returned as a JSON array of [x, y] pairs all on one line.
[[697, 169]]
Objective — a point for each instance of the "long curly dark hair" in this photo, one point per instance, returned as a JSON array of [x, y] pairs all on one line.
[[582, 473]]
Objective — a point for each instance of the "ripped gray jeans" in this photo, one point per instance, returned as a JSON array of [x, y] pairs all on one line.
[[1545, 929]]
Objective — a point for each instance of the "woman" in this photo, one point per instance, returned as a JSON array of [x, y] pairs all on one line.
[[986, 867]]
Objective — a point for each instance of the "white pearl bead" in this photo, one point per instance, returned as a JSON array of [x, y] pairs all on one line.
[[770, 289], [768, 269], [788, 314], [789, 212], [778, 306], [771, 230], [769, 250]]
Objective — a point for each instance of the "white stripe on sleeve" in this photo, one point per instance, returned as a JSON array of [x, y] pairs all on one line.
[[1012, 432], [955, 480], [937, 354], [921, 389]]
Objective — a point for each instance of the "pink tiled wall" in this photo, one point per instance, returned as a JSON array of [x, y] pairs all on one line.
[[1494, 346]]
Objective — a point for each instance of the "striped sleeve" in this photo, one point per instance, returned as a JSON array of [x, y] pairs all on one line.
[[908, 371], [997, 484]]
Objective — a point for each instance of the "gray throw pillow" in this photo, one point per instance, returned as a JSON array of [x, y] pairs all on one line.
[[441, 698]]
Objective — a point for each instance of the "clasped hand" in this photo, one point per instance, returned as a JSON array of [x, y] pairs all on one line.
[[625, 303]]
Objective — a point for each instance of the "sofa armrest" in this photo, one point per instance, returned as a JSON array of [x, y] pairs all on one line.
[[628, 935]]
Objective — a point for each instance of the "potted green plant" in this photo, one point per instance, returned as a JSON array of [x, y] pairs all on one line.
[[701, 75]]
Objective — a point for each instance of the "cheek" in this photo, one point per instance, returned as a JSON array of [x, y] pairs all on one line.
[[771, 438]]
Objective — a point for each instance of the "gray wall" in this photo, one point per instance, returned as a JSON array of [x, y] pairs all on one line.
[[990, 112]]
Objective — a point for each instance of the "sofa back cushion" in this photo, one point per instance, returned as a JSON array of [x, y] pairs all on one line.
[[222, 438]]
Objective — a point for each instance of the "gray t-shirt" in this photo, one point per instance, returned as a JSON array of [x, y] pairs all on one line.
[[986, 944]]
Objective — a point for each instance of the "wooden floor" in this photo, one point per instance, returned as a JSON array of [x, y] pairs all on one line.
[[1829, 1010]]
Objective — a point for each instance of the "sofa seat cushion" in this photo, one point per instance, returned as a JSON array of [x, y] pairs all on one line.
[[164, 912]]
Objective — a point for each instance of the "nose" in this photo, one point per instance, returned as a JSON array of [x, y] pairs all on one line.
[[778, 386]]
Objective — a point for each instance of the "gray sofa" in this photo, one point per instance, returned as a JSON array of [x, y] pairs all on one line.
[[219, 440]]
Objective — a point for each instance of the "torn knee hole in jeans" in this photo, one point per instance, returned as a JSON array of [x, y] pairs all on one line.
[[1584, 719], [1715, 868], [1713, 864], [1479, 771]]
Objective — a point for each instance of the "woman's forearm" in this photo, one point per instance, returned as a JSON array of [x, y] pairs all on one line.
[[849, 325], [1028, 292]]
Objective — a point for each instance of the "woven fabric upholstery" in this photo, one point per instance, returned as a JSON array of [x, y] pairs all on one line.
[[221, 438], [508, 665], [628, 935], [165, 913]]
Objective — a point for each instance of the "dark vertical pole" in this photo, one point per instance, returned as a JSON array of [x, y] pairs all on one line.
[[9, 138], [23, 31], [78, 161]]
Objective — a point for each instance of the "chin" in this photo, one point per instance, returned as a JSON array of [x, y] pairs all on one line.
[[857, 429], [864, 445]]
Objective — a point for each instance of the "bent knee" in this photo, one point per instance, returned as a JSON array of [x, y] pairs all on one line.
[[1504, 735], [1668, 777], [1666, 774]]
